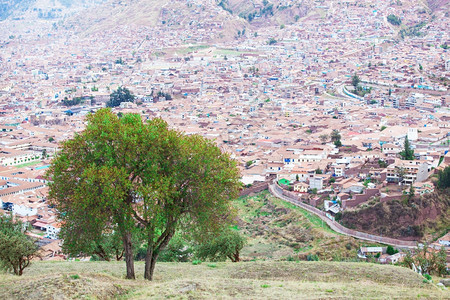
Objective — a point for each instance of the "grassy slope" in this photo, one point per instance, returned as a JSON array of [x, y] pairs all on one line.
[[279, 230], [256, 280]]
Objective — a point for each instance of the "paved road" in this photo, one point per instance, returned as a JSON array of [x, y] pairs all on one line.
[[276, 191]]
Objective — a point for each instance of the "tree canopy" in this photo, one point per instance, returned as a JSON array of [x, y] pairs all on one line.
[[336, 138], [408, 152], [122, 94], [122, 175], [444, 178], [228, 244], [394, 20], [355, 80], [16, 249]]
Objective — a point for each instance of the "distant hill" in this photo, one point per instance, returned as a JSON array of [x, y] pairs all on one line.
[[8, 7], [264, 12], [249, 280], [220, 19], [435, 5]]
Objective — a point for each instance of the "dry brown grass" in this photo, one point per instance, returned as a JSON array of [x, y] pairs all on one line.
[[250, 280]]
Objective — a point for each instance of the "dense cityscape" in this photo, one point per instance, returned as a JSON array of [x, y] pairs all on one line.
[[340, 104]]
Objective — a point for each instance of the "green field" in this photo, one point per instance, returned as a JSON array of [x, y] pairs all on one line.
[[28, 164], [190, 49], [245, 280]]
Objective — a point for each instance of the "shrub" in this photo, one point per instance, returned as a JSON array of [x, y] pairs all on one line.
[[16, 248], [196, 262], [390, 250]]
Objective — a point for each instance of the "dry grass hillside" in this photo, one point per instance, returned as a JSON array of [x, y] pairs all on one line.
[[246, 280], [279, 230], [419, 218]]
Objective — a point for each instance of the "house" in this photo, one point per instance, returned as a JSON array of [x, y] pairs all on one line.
[[390, 259], [422, 188], [407, 171], [363, 252], [53, 230], [301, 187]]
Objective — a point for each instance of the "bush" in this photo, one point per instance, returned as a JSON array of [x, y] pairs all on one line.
[[312, 257], [427, 276], [196, 262], [394, 20], [390, 250], [444, 178]]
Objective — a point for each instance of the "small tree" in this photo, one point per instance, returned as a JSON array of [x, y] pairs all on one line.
[[323, 138], [228, 244], [120, 95], [408, 152], [336, 137], [444, 178], [394, 20], [16, 248], [411, 192], [178, 250], [44, 154], [390, 250], [441, 262], [355, 80]]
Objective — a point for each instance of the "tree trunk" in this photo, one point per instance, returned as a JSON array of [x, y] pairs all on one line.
[[148, 272], [153, 250], [152, 266], [236, 256], [150, 263], [128, 255]]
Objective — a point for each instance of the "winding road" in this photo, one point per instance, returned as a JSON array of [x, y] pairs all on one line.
[[276, 191]]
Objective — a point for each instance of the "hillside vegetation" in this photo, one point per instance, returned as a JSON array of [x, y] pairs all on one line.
[[418, 218], [279, 230], [256, 280]]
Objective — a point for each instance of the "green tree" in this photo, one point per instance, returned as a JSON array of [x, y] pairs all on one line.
[[120, 95], [336, 138], [444, 178], [44, 154], [355, 80], [408, 152], [441, 262], [178, 250], [228, 244], [411, 192], [390, 250], [127, 174], [318, 171], [394, 20], [16, 248], [323, 138]]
